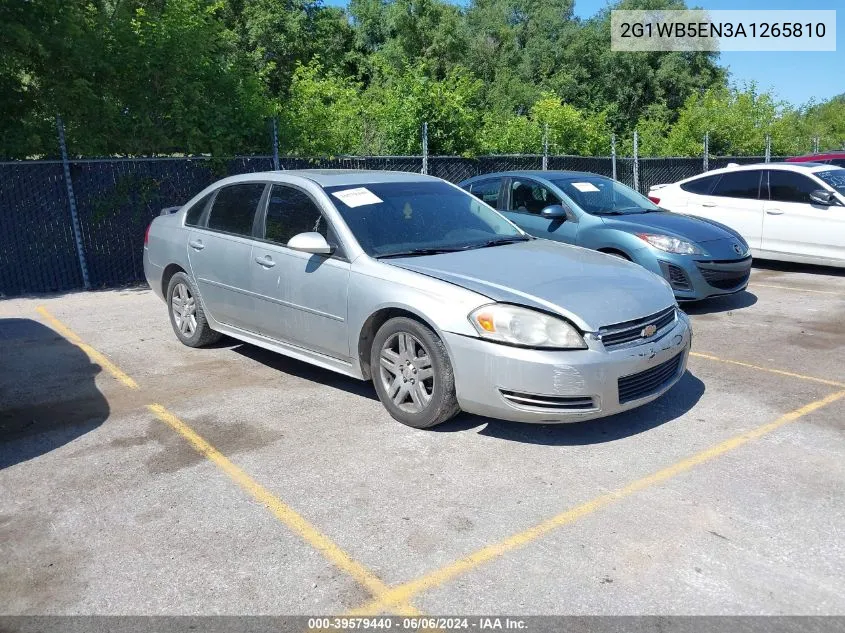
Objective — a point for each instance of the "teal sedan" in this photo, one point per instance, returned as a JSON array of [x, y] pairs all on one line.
[[699, 258]]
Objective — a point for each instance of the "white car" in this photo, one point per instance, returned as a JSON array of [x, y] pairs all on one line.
[[788, 211]]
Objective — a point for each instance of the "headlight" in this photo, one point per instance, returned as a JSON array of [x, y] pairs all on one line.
[[671, 244], [520, 326]]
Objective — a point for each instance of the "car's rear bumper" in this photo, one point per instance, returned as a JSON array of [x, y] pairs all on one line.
[[528, 385], [153, 274]]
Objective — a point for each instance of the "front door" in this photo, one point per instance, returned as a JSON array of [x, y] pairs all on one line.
[[302, 297], [219, 254], [795, 225], [525, 200]]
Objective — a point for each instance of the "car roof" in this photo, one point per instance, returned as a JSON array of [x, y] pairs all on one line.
[[537, 173], [333, 177], [783, 166], [816, 157]]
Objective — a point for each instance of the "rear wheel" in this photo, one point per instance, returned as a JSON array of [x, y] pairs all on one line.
[[412, 374], [186, 314]]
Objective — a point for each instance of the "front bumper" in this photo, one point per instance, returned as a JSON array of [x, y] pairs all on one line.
[[694, 278], [539, 386]]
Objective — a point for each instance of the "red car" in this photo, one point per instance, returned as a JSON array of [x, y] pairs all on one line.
[[829, 158]]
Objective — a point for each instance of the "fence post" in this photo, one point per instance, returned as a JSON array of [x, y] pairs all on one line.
[[815, 145], [275, 144], [636, 161], [425, 148], [768, 148], [545, 146], [74, 217], [613, 155], [706, 164]]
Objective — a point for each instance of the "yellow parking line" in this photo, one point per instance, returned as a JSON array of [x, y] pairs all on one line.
[[284, 513], [401, 594], [821, 292], [93, 354], [287, 515], [770, 370]]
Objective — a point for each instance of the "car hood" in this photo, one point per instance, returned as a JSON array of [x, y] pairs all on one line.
[[589, 288], [686, 227]]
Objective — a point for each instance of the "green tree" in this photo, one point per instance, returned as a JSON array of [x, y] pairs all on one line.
[[397, 107], [322, 115], [737, 121]]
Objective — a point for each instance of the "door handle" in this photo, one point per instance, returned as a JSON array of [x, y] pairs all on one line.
[[774, 212], [197, 245], [265, 261], [708, 204]]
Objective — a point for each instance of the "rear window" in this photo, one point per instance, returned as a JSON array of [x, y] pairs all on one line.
[[739, 184], [701, 186], [193, 216], [234, 208]]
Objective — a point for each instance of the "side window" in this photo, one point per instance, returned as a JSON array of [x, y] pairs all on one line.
[[234, 208], [488, 191], [290, 212], [787, 186], [739, 184], [194, 214], [839, 162], [530, 197], [702, 186]]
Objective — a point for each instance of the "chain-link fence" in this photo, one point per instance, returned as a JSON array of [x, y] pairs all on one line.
[[115, 200]]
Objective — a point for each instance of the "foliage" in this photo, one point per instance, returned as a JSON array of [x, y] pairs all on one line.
[[142, 77]]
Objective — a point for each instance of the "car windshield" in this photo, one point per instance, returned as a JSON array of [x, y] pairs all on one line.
[[833, 177], [419, 218], [598, 195]]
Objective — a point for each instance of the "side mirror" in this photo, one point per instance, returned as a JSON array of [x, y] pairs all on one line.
[[822, 196], [310, 243], [554, 211]]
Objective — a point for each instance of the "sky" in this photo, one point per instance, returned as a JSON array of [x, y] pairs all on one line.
[[795, 77]]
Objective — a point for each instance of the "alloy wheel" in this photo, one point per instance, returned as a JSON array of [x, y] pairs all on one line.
[[406, 372]]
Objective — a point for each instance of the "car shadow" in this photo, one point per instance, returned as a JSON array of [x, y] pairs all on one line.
[[670, 406], [774, 266], [724, 303], [301, 369], [48, 396]]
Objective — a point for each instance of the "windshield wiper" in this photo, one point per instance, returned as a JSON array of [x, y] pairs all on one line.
[[499, 241], [416, 252]]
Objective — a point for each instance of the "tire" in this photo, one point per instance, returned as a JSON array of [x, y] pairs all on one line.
[[191, 326], [417, 402]]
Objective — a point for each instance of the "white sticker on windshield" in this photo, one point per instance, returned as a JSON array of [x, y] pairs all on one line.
[[357, 197], [585, 186]]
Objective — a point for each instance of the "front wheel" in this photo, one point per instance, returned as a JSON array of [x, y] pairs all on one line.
[[412, 374]]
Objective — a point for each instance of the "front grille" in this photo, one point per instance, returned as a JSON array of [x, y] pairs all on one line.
[[676, 276], [649, 381], [536, 401], [621, 333], [724, 279]]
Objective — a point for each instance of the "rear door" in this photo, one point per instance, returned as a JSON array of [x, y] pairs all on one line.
[[525, 199], [795, 225], [735, 201], [302, 297], [219, 253]]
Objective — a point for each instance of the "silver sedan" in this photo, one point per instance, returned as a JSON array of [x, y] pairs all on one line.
[[410, 282]]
